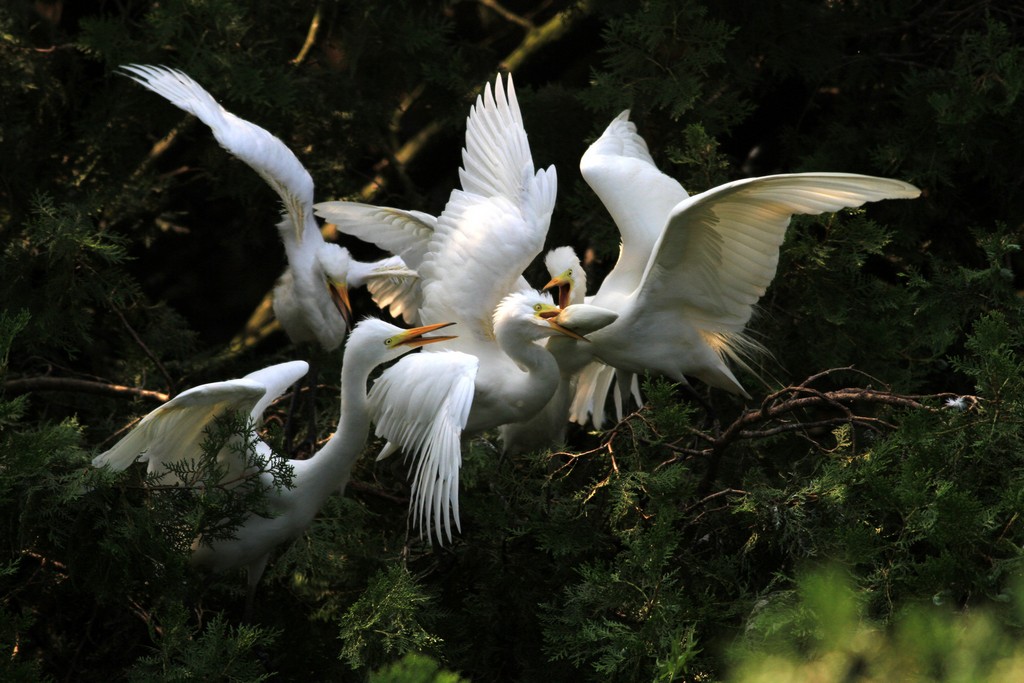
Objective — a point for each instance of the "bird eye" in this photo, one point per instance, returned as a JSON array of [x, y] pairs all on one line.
[[389, 341], [538, 307]]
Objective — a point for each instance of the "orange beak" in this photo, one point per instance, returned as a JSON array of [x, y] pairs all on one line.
[[339, 295], [564, 289], [415, 338], [550, 316]]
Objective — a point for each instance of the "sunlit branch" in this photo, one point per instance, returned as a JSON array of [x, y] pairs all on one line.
[[29, 385]]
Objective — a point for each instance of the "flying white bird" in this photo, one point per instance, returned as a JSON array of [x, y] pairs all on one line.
[[690, 269], [173, 433], [311, 298]]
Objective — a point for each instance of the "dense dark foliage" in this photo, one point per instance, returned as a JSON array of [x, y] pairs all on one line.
[[846, 523]]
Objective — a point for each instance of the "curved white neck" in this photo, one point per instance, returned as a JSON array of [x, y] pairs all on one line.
[[533, 387], [329, 469]]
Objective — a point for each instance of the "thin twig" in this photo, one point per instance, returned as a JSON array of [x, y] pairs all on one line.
[[314, 27], [145, 349], [81, 386], [712, 496], [507, 14]]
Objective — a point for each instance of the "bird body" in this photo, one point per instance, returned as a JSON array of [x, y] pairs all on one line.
[[690, 268], [174, 431], [425, 404], [470, 260]]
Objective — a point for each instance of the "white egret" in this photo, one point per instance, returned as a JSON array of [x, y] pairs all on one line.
[[690, 269], [173, 433], [588, 380], [424, 404], [311, 298], [470, 260], [548, 425]]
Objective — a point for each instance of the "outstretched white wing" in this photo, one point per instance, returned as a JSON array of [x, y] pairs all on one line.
[[495, 226], [174, 432], [421, 405], [403, 233], [263, 152], [275, 380], [487, 244], [639, 197], [392, 286], [720, 248]]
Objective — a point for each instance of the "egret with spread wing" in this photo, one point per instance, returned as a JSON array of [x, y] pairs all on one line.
[[470, 260], [311, 298], [690, 269], [173, 433]]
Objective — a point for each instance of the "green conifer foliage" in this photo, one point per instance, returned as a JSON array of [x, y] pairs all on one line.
[[859, 519]]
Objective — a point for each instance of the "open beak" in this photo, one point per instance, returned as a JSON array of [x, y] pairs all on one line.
[[339, 295], [550, 316], [564, 285], [415, 338]]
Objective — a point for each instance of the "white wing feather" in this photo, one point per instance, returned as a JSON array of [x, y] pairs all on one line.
[[403, 233], [496, 159], [275, 380], [720, 249], [174, 432], [421, 405], [485, 247], [259, 149], [392, 285], [620, 170], [495, 226]]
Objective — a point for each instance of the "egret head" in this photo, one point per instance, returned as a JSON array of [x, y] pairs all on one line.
[[537, 314], [387, 342], [567, 275], [334, 264]]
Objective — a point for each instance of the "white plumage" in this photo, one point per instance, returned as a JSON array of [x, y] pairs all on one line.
[[690, 269], [470, 260], [174, 431], [311, 298]]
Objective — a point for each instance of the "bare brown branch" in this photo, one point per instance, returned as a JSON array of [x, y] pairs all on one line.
[[30, 385], [314, 28]]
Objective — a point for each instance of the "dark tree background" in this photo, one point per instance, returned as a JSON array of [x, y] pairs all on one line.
[[845, 524]]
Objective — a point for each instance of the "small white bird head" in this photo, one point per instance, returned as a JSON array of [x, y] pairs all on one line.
[[534, 310], [388, 342], [335, 262], [567, 275]]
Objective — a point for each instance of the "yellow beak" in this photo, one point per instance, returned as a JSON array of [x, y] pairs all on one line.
[[550, 315], [339, 295], [564, 285], [415, 338]]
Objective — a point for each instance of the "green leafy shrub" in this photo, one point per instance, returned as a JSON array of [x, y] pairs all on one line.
[[677, 544]]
